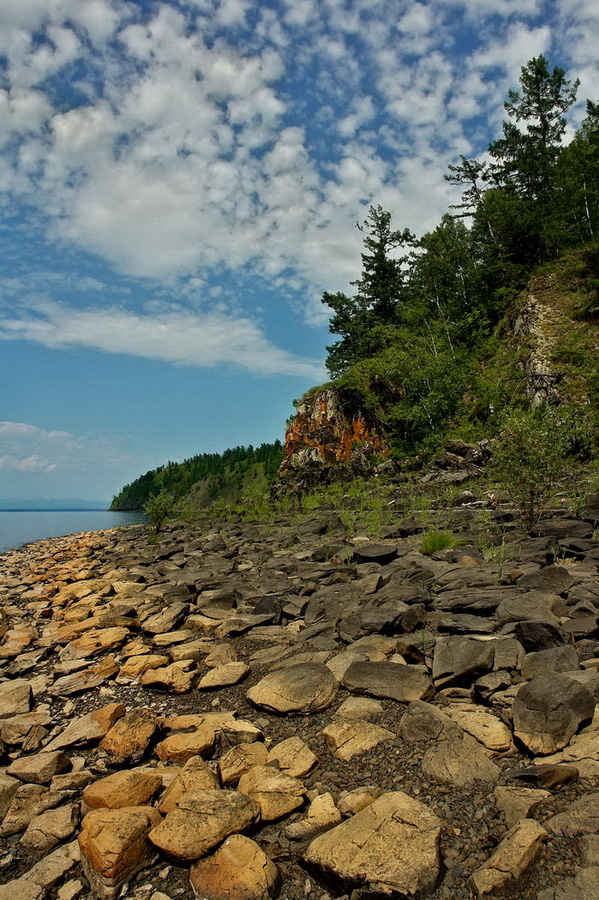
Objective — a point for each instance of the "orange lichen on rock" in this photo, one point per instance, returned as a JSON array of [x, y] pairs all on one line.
[[321, 434]]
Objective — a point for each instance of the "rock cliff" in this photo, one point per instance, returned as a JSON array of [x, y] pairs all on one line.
[[323, 443]]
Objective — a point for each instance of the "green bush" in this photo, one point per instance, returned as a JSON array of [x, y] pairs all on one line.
[[159, 507], [530, 457]]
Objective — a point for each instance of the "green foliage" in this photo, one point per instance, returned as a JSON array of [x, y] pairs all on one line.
[[159, 508], [206, 476], [531, 455], [434, 541]]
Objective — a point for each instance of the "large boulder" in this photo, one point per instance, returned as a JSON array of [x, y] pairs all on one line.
[[302, 688], [392, 845], [549, 711], [239, 870], [387, 679]]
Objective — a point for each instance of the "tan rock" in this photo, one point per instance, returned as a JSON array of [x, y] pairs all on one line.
[[238, 760], [201, 820], [510, 859], [518, 802], [114, 846], [137, 665], [485, 727], [582, 751], [133, 788], [15, 729], [275, 793], [359, 708], [348, 738], [91, 727], [8, 788], [302, 688], [220, 655], [393, 843], [40, 768], [89, 678], [50, 828], [179, 677], [351, 802], [239, 870], [293, 757], [191, 650], [322, 814], [458, 760], [29, 801], [180, 747], [16, 698], [93, 642], [223, 676], [129, 737], [196, 775]]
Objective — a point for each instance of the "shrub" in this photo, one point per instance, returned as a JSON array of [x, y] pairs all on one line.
[[529, 458], [158, 508]]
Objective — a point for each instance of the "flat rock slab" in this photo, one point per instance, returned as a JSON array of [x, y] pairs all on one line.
[[585, 884], [196, 775], [92, 677], [458, 760], [388, 679], [510, 859], [302, 688], [549, 711], [16, 698], [348, 738], [40, 768], [239, 869], [581, 817], [240, 759], [201, 821], [223, 676], [88, 728], [293, 757], [378, 553], [275, 793], [458, 657], [485, 727], [393, 843], [122, 789]]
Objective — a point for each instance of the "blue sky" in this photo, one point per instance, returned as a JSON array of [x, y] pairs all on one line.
[[179, 183]]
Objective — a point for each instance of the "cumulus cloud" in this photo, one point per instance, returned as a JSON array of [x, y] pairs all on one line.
[[207, 137], [177, 336]]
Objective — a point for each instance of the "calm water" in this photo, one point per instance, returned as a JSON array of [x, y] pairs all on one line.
[[22, 526]]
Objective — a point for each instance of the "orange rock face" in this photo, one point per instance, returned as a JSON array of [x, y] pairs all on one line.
[[321, 433]]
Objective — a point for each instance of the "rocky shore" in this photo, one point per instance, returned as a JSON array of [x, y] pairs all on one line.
[[244, 711]]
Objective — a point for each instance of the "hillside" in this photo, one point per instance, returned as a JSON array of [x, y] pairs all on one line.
[[206, 477]]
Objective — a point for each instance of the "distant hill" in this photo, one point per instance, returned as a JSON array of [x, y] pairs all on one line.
[[206, 477]]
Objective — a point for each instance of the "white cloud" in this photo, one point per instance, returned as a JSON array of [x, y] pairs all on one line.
[[177, 336]]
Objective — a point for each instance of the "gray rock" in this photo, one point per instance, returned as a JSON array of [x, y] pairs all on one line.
[[302, 688], [388, 679], [554, 659], [583, 886], [461, 658], [548, 712]]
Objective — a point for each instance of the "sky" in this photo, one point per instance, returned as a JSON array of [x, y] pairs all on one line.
[[179, 183]]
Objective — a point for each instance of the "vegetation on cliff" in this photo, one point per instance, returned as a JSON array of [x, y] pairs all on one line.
[[419, 346]]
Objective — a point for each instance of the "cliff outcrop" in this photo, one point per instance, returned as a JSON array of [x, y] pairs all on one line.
[[324, 444]]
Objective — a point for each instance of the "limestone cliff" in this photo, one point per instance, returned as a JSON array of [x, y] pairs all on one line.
[[323, 444]]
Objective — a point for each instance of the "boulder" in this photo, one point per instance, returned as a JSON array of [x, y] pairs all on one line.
[[302, 688], [392, 845], [240, 759], [40, 768], [292, 756], [387, 679], [581, 817], [88, 728], [275, 793], [16, 697], [518, 802], [239, 870], [554, 659], [114, 846], [461, 658], [348, 738], [510, 859], [196, 775], [50, 828], [547, 712], [322, 814], [133, 788], [129, 738], [201, 821], [458, 760]]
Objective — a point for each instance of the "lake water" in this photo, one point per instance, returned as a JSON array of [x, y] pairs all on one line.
[[21, 526]]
